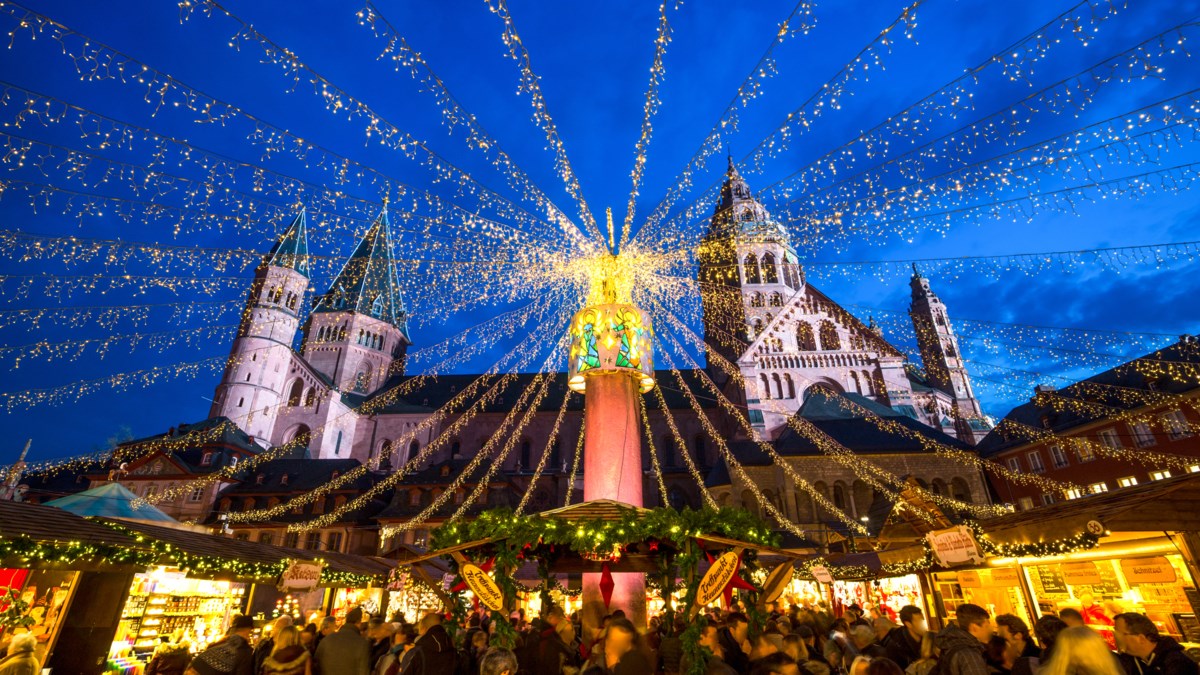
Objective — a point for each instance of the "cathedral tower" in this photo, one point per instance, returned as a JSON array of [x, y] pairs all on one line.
[[943, 360], [252, 387], [748, 269], [357, 335]]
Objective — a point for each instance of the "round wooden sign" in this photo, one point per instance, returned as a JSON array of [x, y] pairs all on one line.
[[482, 586]]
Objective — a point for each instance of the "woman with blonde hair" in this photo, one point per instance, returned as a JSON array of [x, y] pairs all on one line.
[[928, 658], [288, 656], [1081, 651], [21, 659]]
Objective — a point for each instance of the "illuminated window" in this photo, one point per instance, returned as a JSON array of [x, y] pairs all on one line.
[[1110, 439], [1097, 488], [1025, 503], [1143, 436], [1195, 468], [1159, 475], [1073, 493], [1177, 425], [1058, 457], [1035, 462], [1083, 452], [1128, 481]]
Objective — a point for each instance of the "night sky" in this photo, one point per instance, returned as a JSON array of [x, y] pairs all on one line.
[[593, 62]]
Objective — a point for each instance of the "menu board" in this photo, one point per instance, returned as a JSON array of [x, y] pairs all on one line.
[[1051, 580]]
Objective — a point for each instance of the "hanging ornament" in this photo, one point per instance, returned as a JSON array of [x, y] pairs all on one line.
[[606, 584]]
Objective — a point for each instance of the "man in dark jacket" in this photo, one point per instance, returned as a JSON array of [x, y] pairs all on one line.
[[346, 651], [903, 643], [1153, 654], [962, 643], [552, 650], [732, 636], [433, 652], [232, 655]]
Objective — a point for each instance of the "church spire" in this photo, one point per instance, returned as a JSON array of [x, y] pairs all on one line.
[[291, 251], [368, 283]]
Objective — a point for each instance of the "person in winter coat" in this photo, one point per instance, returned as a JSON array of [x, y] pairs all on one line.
[[21, 659], [903, 643], [169, 659], [288, 656], [1138, 637], [962, 643], [345, 651], [231, 655], [433, 652], [265, 645]]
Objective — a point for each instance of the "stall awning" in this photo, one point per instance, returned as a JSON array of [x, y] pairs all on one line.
[[63, 537], [111, 500], [1172, 504], [251, 561]]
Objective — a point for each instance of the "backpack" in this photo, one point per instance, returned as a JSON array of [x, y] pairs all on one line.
[[217, 659]]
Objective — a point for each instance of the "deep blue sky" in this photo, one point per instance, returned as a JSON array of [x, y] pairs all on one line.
[[593, 60]]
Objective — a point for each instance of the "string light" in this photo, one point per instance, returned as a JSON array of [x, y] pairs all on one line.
[[575, 465], [683, 452], [529, 84], [654, 464], [550, 443]]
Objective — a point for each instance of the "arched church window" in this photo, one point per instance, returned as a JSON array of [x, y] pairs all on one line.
[[377, 306], [769, 270], [756, 300], [363, 379], [857, 343], [297, 391], [778, 386], [776, 300], [766, 385], [413, 449], [310, 399], [791, 385], [455, 449], [751, 269], [758, 328], [829, 336], [950, 351], [698, 450], [805, 340], [868, 384], [526, 453], [855, 384]]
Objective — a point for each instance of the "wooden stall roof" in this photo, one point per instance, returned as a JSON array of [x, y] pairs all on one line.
[[1172, 504], [216, 546], [47, 524], [600, 509]]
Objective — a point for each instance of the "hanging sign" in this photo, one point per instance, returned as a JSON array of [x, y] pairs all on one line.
[[717, 578], [821, 574], [776, 582], [482, 586], [1005, 576], [1156, 570], [1081, 573], [969, 579], [300, 575], [955, 546]]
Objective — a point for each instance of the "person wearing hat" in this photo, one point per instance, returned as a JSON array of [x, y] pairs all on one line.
[[230, 656], [346, 651]]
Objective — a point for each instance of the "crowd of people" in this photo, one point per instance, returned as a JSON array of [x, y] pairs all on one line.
[[793, 641]]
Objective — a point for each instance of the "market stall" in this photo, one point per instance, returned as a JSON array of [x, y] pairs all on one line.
[[203, 579], [65, 578], [1140, 556]]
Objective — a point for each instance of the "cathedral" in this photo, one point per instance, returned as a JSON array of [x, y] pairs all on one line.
[[778, 347]]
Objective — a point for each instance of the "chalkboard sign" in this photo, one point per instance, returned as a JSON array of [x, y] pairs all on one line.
[[1193, 597], [1052, 580], [1189, 626]]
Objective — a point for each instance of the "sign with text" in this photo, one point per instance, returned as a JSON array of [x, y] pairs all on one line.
[[301, 575], [1005, 576], [955, 546], [1081, 573], [717, 578], [482, 586], [821, 574], [1156, 570], [777, 582], [969, 579]]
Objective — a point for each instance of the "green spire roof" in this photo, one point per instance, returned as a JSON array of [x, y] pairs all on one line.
[[368, 283], [291, 250]]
